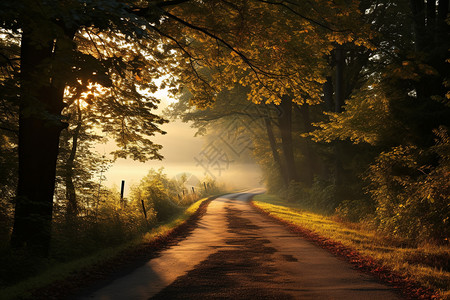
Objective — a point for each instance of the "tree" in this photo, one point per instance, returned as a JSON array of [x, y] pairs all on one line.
[[77, 163], [51, 57], [393, 107], [54, 58]]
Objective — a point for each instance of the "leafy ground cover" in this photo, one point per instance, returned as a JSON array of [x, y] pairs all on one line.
[[420, 272]]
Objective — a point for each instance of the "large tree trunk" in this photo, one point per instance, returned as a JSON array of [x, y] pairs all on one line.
[[41, 104], [285, 123]]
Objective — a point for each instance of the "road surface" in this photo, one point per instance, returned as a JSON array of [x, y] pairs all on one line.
[[236, 253]]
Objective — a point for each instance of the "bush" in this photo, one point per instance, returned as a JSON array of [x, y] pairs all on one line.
[[413, 198], [321, 197], [160, 195], [163, 207], [109, 222], [355, 210]]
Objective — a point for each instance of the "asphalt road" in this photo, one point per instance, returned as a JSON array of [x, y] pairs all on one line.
[[236, 253]]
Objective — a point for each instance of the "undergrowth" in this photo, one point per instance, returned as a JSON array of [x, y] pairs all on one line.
[[49, 270]]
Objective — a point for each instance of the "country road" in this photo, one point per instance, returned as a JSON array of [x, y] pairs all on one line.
[[236, 253]]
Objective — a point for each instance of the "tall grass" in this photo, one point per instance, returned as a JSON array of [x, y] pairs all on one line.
[[104, 221], [50, 270]]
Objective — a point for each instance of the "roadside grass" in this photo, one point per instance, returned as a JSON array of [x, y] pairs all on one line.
[[428, 265], [60, 271]]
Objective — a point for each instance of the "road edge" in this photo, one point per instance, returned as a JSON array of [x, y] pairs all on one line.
[[135, 255], [405, 287]]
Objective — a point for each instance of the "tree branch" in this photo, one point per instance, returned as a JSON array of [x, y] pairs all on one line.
[[282, 3], [244, 58], [190, 56], [15, 131], [170, 3]]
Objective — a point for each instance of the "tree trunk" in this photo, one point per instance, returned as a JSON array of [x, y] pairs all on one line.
[[328, 94], [418, 11], [275, 155], [309, 161], [285, 123], [339, 96], [72, 205], [41, 104], [339, 84], [431, 38], [328, 91]]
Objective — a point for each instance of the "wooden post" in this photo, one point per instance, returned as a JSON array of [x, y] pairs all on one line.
[[143, 208], [121, 190]]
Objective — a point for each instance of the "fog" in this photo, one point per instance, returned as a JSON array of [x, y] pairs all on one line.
[[185, 153]]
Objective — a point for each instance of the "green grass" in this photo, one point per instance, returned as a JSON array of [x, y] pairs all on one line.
[[63, 270], [426, 264]]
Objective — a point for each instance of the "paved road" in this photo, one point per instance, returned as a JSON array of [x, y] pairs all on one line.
[[236, 253]]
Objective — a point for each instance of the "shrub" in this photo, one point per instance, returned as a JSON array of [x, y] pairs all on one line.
[[159, 194], [355, 210], [413, 198]]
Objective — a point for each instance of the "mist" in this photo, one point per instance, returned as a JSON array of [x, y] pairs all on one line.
[[185, 153]]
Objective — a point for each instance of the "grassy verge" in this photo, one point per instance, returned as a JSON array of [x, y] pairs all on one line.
[[420, 272], [61, 278]]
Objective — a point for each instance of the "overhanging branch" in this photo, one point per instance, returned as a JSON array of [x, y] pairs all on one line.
[[283, 4], [244, 58]]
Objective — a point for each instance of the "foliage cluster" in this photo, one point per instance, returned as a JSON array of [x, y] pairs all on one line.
[[104, 220], [413, 198]]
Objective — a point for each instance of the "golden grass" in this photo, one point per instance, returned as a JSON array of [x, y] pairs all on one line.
[[63, 270], [426, 264]]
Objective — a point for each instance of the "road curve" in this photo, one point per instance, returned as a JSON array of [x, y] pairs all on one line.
[[237, 253]]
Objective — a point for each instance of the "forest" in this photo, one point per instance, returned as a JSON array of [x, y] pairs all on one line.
[[346, 104]]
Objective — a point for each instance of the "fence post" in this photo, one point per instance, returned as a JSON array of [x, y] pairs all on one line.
[[143, 208], [121, 192]]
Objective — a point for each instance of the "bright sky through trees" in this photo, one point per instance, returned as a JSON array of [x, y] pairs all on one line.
[[180, 147]]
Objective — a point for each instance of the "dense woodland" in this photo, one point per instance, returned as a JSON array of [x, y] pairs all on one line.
[[352, 112], [351, 99]]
